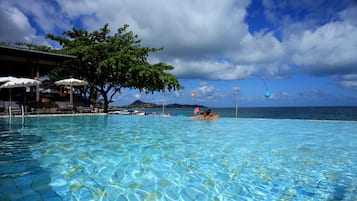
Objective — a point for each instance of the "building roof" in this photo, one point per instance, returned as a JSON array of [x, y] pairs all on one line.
[[24, 62]]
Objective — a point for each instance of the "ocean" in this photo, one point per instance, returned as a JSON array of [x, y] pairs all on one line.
[[346, 113]]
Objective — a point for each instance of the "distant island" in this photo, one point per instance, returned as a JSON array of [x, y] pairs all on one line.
[[141, 104]]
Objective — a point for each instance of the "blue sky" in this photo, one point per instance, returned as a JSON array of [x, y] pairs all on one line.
[[305, 52]]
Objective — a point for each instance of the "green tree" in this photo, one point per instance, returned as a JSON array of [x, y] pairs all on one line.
[[112, 62]]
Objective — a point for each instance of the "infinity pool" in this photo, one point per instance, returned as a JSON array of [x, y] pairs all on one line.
[[111, 157]]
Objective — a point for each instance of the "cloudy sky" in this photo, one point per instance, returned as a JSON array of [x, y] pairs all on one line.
[[303, 52]]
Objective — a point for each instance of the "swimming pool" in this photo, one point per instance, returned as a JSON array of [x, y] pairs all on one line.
[[113, 157]]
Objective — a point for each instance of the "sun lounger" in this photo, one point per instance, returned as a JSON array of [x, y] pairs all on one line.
[[83, 109], [2, 106], [63, 107], [13, 108]]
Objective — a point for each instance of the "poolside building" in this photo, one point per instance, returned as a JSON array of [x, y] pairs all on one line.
[[20, 62]]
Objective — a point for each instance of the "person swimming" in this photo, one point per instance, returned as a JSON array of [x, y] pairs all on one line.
[[206, 115]]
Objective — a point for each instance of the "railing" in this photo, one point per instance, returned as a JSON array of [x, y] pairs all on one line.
[[22, 110]]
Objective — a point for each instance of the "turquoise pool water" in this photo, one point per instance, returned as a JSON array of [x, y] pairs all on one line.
[[115, 157]]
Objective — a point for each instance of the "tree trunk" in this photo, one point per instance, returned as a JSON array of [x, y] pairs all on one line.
[[106, 106], [106, 103]]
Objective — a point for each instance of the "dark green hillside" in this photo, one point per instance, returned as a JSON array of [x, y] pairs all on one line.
[[141, 104]]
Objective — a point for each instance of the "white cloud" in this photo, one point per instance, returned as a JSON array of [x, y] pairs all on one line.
[[27, 21], [191, 31], [14, 25], [330, 47], [347, 81], [317, 41], [352, 84], [259, 48], [206, 92], [197, 34], [350, 15], [210, 70], [327, 50], [194, 34], [137, 96], [278, 96]]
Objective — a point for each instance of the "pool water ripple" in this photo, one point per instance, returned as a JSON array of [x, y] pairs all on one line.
[[152, 158]]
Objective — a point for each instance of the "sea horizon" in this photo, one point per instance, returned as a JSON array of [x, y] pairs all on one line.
[[343, 113], [297, 106]]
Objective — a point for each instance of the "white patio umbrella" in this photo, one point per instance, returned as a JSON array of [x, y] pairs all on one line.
[[13, 82], [6, 79], [71, 82], [20, 82]]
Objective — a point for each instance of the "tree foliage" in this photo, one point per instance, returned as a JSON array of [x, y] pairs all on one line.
[[112, 62]]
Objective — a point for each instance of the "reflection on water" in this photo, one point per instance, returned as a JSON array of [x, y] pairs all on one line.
[[117, 157], [21, 175]]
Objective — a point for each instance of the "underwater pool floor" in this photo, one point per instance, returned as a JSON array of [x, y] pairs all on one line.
[[115, 157]]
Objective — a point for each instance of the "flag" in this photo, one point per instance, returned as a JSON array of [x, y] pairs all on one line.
[[196, 110]]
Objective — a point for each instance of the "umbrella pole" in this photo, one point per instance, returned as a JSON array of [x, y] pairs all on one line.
[[163, 103], [71, 96], [10, 102], [37, 85]]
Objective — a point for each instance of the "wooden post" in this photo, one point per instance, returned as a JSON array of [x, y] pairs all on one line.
[[38, 86]]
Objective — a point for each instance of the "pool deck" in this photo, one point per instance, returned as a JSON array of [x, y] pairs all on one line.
[[49, 114], [52, 111]]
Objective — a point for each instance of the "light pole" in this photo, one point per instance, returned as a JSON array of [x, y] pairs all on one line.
[[237, 91], [267, 93], [163, 102]]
